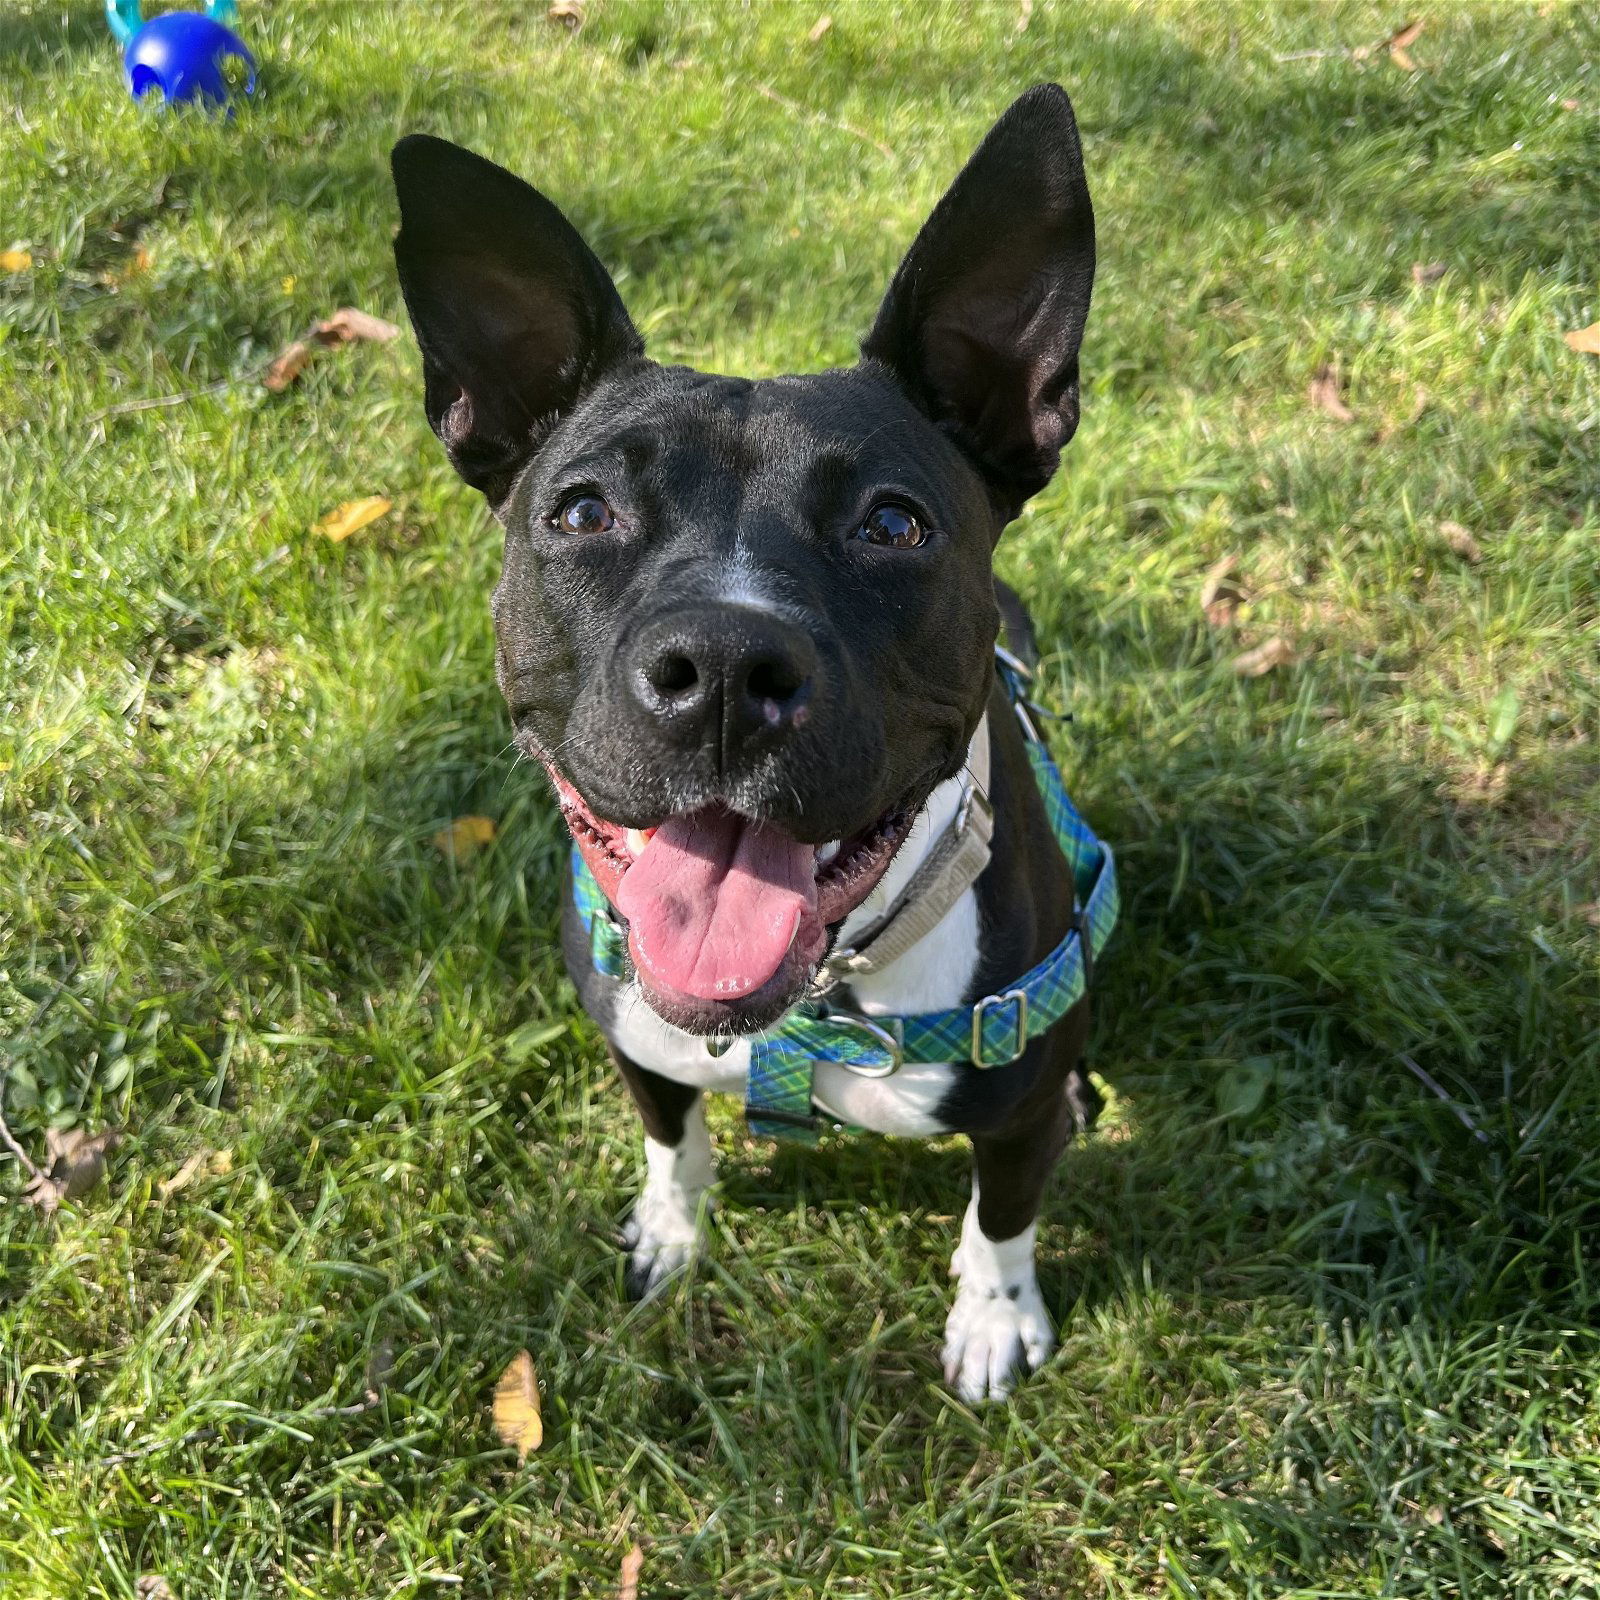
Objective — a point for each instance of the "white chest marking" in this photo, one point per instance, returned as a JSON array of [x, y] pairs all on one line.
[[929, 977]]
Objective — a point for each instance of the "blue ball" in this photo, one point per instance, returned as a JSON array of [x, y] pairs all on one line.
[[181, 53]]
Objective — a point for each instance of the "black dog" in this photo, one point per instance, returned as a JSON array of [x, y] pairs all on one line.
[[749, 628]]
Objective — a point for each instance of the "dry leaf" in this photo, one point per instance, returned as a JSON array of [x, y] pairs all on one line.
[[347, 325], [184, 1176], [632, 1566], [344, 520], [466, 836], [1397, 42], [1024, 17], [1426, 272], [1591, 913], [1324, 395], [77, 1162], [1584, 340], [286, 366], [567, 12], [152, 1586], [516, 1407], [818, 28], [16, 260], [1402, 58], [1276, 652], [1220, 596], [1570, 105], [1461, 541]]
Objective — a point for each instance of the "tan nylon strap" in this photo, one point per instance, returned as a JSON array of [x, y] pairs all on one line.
[[949, 869]]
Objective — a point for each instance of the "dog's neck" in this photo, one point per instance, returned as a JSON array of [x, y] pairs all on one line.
[[934, 972]]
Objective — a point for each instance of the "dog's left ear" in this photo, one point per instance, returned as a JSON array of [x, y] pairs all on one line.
[[515, 315], [984, 318]]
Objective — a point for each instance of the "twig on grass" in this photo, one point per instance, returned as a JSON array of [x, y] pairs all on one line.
[[11, 1143], [799, 110], [1395, 43], [1428, 1081]]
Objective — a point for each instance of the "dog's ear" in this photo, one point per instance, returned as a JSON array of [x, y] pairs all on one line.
[[984, 318], [514, 314]]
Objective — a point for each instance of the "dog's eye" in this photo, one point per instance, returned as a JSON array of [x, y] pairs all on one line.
[[583, 513], [892, 525]]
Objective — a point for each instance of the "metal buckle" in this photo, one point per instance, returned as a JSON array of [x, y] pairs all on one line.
[[973, 799], [890, 1039], [1021, 998]]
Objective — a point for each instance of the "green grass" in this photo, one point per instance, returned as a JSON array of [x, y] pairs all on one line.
[[1331, 1345]]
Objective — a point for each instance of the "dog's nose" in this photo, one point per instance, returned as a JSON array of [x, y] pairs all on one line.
[[724, 675]]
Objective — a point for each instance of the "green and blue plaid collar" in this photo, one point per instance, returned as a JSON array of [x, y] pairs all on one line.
[[992, 1032]]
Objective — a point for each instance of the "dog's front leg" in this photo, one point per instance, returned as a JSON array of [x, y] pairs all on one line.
[[663, 1233], [998, 1328]]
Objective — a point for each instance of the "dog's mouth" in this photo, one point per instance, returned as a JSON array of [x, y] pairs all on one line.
[[728, 917]]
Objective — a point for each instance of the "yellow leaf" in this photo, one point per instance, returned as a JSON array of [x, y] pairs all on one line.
[[1585, 340], [464, 837], [516, 1407], [632, 1566], [16, 260], [344, 520]]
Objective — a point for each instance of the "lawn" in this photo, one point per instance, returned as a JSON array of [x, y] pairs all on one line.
[[1326, 1277]]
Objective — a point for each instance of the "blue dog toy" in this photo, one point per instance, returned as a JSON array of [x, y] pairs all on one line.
[[180, 53]]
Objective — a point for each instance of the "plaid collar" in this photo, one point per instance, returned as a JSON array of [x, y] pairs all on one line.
[[992, 1032]]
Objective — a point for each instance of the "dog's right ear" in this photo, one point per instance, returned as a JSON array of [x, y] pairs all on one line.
[[514, 314]]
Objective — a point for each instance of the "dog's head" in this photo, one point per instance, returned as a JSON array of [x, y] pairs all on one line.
[[747, 626]]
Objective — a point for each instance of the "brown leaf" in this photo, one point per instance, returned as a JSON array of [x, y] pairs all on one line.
[[1399, 39], [1024, 16], [1402, 58], [1571, 105], [152, 1586], [1584, 340], [1591, 913], [516, 1407], [344, 520], [1220, 595], [466, 836], [632, 1566], [286, 366], [1461, 541], [569, 13], [1324, 394], [818, 28], [15, 260], [1426, 272], [77, 1162], [1276, 652], [348, 325]]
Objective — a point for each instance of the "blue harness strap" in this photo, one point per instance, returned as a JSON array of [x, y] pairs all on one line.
[[992, 1032]]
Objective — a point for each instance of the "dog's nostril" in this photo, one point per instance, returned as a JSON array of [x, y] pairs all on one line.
[[673, 674], [775, 680]]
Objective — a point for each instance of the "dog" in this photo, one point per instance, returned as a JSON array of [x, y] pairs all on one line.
[[750, 630]]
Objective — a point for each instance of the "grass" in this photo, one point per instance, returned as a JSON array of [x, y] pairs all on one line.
[[1319, 1337]]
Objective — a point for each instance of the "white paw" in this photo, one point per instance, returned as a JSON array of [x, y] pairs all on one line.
[[659, 1248], [994, 1336], [663, 1235]]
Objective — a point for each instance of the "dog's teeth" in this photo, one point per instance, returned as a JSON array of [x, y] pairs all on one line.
[[637, 839], [826, 852]]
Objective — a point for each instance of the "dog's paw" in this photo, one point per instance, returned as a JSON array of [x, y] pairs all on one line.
[[660, 1246], [994, 1336]]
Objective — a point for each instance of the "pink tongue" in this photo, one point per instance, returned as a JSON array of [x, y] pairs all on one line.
[[714, 901]]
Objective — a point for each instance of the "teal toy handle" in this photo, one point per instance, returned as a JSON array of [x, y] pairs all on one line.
[[126, 17]]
